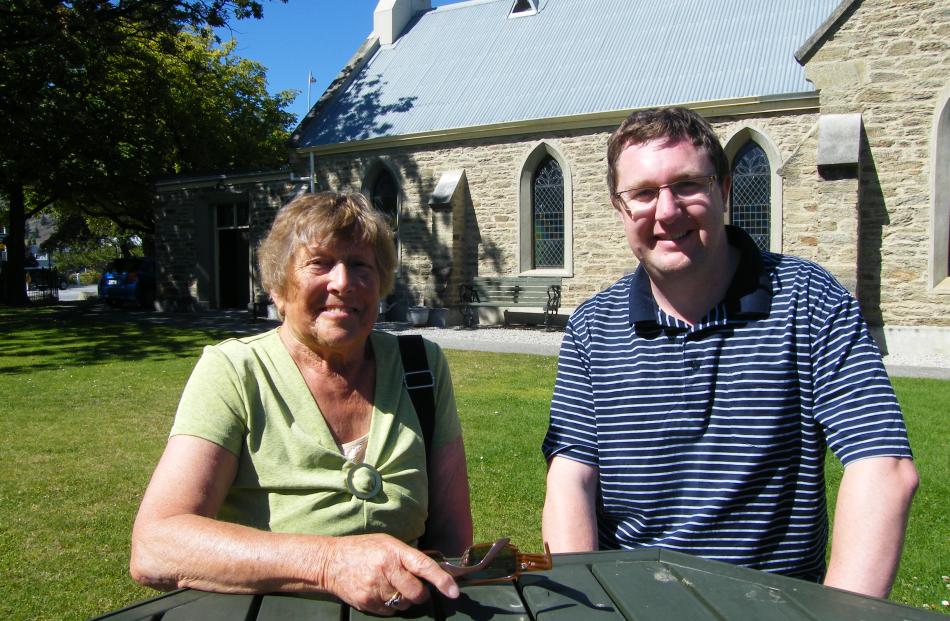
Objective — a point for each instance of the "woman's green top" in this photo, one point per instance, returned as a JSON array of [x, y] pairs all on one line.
[[248, 396]]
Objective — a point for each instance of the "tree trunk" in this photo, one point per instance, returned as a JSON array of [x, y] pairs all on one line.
[[14, 278]]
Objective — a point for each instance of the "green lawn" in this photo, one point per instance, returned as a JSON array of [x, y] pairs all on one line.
[[85, 406]]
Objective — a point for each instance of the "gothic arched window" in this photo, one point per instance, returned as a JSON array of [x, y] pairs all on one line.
[[385, 197], [752, 193], [547, 215]]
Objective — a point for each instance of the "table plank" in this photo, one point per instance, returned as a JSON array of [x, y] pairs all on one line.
[[567, 593], [483, 602], [744, 590], [649, 591], [734, 598], [152, 608], [831, 603], [315, 607], [422, 611], [216, 607]]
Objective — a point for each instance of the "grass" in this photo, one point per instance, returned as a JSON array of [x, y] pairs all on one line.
[[503, 403], [922, 578], [86, 404]]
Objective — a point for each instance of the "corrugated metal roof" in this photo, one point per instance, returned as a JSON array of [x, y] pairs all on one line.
[[469, 64]]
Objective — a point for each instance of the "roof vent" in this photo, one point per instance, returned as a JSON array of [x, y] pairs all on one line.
[[522, 8]]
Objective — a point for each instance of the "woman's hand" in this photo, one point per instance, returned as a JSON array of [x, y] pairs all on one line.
[[366, 571], [177, 543]]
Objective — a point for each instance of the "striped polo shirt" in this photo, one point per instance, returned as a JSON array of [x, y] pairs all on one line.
[[710, 439]]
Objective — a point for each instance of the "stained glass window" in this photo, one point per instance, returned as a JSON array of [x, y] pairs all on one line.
[[752, 193], [547, 214]]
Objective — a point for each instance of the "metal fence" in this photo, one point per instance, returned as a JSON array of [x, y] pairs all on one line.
[[42, 285]]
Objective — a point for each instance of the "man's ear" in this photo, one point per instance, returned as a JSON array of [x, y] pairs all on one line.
[[726, 186]]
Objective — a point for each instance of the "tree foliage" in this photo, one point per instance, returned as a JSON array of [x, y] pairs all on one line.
[[86, 242], [98, 98]]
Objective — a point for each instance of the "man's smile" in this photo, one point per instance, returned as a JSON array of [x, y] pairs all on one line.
[[673, 237]]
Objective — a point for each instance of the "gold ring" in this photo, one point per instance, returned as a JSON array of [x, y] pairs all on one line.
[[393, 601]]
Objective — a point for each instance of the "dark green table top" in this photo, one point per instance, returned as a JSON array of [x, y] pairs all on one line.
[[638, 585]]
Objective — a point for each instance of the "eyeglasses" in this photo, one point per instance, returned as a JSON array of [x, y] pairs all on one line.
[[485, 563], [638, 201]]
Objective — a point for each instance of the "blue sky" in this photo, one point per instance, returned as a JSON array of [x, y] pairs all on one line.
[[315, 35]]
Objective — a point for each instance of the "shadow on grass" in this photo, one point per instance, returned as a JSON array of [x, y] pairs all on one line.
[[85, 333]]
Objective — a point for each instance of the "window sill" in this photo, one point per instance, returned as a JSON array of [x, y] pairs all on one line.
[[563, 273], [942, 287]]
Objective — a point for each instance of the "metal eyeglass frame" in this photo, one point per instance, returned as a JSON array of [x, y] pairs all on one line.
[[645, 207]]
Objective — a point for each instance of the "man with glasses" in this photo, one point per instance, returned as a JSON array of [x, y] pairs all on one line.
[[695, 398]]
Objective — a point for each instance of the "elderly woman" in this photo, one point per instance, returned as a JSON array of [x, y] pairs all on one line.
[[296, 461]]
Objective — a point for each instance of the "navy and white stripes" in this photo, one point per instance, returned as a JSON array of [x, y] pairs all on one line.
[[710, 439]]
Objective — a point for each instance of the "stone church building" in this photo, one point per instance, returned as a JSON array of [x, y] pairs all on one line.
[[480, 129]]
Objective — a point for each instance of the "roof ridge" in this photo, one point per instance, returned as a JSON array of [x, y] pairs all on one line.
[[462, 5]]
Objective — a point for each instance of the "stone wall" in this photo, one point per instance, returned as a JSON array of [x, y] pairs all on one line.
[[488, 230], [185, 238], [600, 251], [889, 61], [177, 247], [264, 202]]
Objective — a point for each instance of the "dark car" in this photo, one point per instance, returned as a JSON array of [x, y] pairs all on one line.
[[129, 280]]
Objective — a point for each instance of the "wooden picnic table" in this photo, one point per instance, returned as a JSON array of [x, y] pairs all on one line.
[[637, 585]]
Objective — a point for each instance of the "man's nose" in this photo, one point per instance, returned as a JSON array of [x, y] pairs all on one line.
[[667, 207]]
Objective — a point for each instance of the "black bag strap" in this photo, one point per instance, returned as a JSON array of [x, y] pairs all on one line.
[[420, 384]]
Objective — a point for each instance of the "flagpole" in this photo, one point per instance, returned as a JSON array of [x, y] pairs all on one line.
[[310, 81]]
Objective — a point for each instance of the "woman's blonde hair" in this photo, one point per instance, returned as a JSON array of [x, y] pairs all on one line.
[[322, 218]]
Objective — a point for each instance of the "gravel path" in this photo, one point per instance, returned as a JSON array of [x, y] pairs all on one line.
[[534, 340], [506, 340], [539, 341], [918, 365]]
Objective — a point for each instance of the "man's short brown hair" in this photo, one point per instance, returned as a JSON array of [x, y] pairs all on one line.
[[671, 124]]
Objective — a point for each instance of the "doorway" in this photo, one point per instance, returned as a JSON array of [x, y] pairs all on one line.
[[233, 258]]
